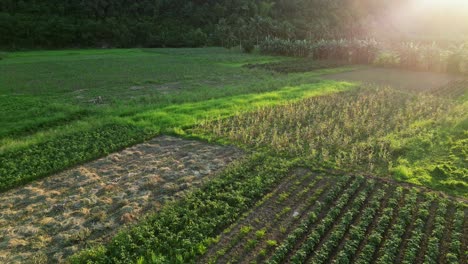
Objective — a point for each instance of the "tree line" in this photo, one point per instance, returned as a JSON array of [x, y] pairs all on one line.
[[178, 23]]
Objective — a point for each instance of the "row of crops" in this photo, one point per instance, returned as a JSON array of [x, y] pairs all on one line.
[[409, 55], [311, 218]]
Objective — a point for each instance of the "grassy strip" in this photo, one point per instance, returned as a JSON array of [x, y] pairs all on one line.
[[42, 159], [182, 230]]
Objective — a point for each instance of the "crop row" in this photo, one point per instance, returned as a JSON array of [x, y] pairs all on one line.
[[285, 222], [314, 238], [408, 55], [287, 245], [414, 242], [357, 232], [314, 235], [253, 231], [390, 249], [300, 219], [433, 248], [375, 238], [322, 255], [455, 249]]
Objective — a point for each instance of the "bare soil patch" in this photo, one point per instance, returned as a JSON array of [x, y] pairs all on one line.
[[401, 79], [161, 88], [50, 219], [298, 65]]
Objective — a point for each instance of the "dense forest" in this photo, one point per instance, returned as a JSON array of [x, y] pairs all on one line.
[[177, 23]]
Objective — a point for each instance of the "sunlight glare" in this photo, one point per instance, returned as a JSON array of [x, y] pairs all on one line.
[[450, 4]]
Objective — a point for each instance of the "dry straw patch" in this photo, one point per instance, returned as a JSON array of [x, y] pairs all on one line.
[[50, 219]]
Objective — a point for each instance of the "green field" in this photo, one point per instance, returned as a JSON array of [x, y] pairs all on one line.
[[66, 107], [335, 172]]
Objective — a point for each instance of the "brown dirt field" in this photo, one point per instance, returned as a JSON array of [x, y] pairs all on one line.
[[401, 79], [50, 219]]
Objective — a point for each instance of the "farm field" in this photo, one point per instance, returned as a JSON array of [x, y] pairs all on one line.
[[210, 155], [317, 218], [52, 218], [416, 137], [65, 108], [401, 79]]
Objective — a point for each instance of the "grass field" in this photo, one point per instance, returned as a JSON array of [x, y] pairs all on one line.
[[66, 107], [334, 171]]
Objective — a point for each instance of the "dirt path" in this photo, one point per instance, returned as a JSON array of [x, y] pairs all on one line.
[[50, 219], [402, 79]]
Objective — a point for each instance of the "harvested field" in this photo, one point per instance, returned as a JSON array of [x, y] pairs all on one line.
[[50, 219], [402, 79]]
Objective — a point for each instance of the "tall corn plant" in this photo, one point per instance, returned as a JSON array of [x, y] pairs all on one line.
[[457, 58], [431, 58], [409, 53]]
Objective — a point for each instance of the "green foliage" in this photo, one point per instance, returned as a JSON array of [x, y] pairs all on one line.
[[248, 47], [357, 232], [259, 234], [387, 59], [176, 23], [272, 243], [295, 48], [390, 248], [407, 55], [355, 51], [245, 230]]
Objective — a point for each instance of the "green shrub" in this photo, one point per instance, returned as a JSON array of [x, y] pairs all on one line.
[[248, 46], [387, 59]]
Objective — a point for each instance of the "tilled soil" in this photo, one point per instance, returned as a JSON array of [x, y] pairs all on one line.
[[50, 219], [401, 79]]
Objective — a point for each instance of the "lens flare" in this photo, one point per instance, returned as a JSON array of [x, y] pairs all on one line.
[[443, 3]]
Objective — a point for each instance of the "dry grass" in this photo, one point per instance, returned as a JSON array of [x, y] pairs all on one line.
[[52, 218]]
